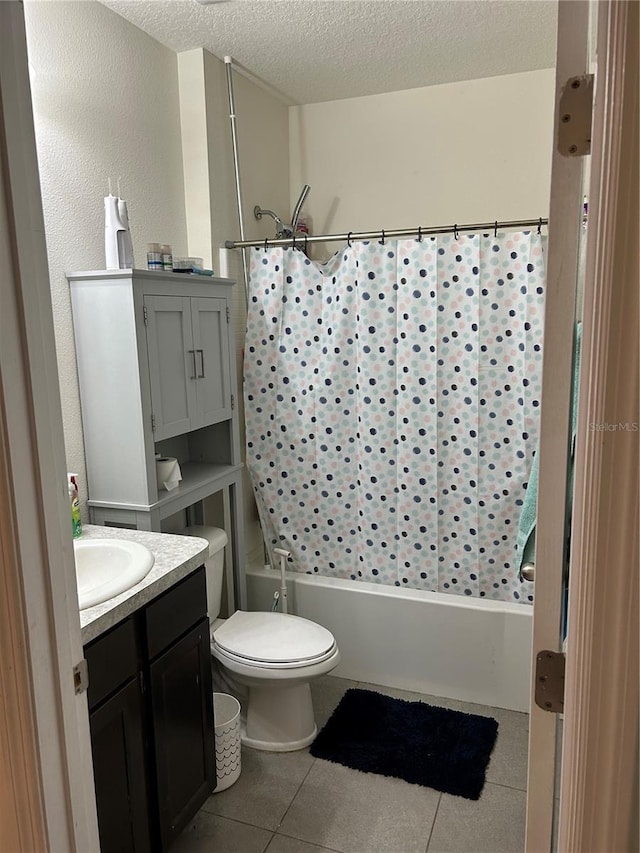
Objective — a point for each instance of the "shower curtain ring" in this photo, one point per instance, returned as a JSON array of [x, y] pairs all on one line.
[[495, 228], [419, 233], [305, 244], [293, 240], [540, 225], [382, 237], [349, 238], [455, 232], [266, 247]]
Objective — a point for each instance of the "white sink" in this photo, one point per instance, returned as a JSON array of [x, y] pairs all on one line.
[[107, 567]]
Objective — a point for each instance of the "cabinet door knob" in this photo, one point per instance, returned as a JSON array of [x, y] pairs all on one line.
[[201, 374], [528, 572], [194, 375]]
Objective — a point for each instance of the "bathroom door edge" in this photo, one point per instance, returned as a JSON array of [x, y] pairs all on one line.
[[598, 808], [51, 802]]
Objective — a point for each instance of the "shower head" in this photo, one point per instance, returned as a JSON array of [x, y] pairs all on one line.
[[296, 210], [282, 229]]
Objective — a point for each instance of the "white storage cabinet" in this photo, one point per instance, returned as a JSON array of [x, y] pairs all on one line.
[[156, 370]]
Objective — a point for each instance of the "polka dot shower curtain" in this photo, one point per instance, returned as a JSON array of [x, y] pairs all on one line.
[[392, 407]]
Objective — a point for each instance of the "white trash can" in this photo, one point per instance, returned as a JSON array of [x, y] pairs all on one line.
[[226, 711]]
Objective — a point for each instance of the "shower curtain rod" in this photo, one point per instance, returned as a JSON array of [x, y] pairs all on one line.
[[382, 234]]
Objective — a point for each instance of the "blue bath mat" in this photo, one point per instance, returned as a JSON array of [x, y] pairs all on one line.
[[435, 747]]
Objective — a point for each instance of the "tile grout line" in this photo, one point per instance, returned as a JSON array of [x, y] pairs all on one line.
[[273, 835], [435, 817], [256, 825], [310, 843], [237, 820], [286, 811], [295, 838], [504, 785]]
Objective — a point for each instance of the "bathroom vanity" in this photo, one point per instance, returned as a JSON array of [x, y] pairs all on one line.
[[150, 697]]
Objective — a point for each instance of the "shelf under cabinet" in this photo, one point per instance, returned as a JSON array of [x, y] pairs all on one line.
[[199, 480]]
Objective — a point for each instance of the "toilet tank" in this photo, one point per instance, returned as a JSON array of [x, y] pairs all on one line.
[[213, 565]]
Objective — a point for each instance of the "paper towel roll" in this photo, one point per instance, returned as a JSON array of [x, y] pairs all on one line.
[[168, 473]]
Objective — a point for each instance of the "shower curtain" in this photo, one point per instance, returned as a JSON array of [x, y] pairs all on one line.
[[392, 407]]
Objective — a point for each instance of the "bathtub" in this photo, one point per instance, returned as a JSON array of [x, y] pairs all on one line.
[[474, 650]]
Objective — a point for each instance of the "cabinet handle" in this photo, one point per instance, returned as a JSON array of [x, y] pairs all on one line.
[[201, 375], [193, 356]]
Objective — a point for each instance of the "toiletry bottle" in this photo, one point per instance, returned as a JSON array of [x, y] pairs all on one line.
[[154, 256], [167, 257], [304, 224], [76, 521]]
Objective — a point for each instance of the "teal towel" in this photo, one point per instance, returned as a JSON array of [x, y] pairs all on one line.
[[526, 539]]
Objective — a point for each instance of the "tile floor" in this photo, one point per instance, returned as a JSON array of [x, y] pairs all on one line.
[[294, 803]]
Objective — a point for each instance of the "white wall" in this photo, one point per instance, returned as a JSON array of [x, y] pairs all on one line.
[[477, 150], [105, 100]]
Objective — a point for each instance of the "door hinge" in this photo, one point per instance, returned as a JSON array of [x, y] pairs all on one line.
[[228, 314], [233, 401], [575, 108], [549, 691], [145, 315], [81, 676], [153, 422]]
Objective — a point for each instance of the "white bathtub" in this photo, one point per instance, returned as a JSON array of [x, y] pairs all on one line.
[[460, 648]]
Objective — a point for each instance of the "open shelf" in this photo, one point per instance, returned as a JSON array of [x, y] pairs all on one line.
[[199, 479]]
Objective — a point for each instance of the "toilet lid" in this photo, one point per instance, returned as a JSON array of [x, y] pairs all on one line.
[[273, 638]]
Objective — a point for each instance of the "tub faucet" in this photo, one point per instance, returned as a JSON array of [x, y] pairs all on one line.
[[284, 556]]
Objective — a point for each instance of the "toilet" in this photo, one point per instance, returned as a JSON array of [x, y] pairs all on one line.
[[269, 658]]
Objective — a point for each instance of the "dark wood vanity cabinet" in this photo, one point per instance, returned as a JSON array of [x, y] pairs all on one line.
[[119, 769], [151, 720], [181, 703]]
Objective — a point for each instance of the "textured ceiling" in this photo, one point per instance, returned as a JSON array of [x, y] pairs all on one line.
[[321, 50]]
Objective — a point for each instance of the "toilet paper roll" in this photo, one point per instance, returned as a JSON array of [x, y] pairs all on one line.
[[168, 473]]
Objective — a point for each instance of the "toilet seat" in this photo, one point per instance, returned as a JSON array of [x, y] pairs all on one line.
[[273, 640]]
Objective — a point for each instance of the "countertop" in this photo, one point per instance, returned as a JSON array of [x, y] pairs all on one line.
[[175, 558]]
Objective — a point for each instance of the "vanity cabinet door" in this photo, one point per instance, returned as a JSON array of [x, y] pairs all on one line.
[[211, 344], [183, 730], [172, 364], [119, 770]]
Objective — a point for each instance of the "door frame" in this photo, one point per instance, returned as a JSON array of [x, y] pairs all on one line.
[[45, 741], [599, 772], [598, 803], [563, 257]]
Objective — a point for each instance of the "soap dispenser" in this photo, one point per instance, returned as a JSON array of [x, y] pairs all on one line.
[[74, 500], [117, 239]]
